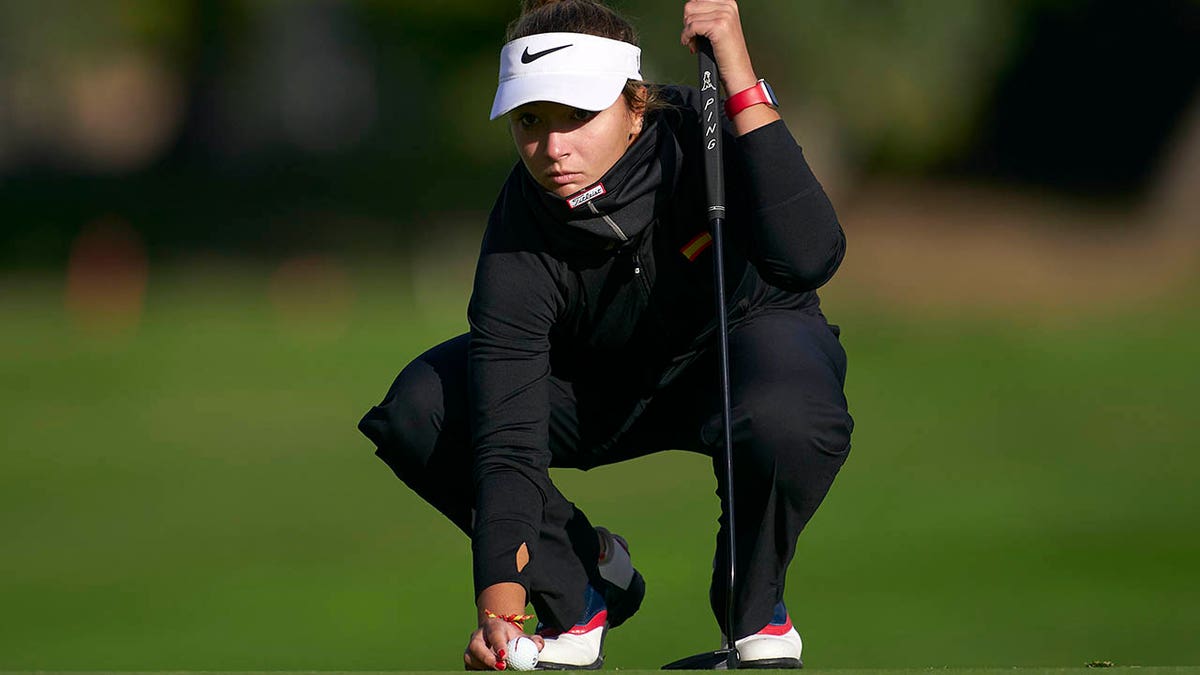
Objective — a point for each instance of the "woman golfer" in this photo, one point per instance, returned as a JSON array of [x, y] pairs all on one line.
[[593, 338]]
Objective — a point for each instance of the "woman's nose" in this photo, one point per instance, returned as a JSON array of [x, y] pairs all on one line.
[[558, 145]]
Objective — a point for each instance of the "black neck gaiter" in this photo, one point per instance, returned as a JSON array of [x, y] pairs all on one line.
[[626, 199]]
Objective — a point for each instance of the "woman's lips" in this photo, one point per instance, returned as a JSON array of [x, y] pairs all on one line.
[[564, 178]]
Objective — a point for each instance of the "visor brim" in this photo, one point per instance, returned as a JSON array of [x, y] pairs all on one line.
[[587, 92]]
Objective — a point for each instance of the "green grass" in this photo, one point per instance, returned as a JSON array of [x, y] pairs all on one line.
[[195, 496]]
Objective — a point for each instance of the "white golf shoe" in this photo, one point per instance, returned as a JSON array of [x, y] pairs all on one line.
[[777, 645], [582, 646]]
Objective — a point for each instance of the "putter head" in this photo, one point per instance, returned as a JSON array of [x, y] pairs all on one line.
[[721, 659]]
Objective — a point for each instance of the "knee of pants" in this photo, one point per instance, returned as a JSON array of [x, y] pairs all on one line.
[[406, 425], [796, 436]]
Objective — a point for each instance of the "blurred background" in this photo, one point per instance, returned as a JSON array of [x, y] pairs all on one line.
[[225, 225]]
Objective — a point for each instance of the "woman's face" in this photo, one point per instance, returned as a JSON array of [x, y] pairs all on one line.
[[567, 149]]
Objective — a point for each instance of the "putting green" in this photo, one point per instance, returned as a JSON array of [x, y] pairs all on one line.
[[194, 495]]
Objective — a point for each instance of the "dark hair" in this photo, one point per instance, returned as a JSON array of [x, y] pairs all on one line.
[[593, 18]]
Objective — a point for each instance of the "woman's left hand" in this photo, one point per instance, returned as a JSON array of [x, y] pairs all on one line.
[[719, 21]]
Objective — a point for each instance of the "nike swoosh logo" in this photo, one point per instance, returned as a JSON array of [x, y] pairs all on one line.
[[530, 58]]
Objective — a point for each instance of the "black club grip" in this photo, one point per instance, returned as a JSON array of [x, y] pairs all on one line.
[[710, 128]]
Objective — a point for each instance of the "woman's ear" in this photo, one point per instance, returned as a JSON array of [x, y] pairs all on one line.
[[638, 112], [635, 127]]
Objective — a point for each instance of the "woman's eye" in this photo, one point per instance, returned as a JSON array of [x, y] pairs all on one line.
[[527, 120], [583, 115]]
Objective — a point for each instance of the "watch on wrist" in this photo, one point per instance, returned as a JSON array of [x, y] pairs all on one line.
[[761, 92]]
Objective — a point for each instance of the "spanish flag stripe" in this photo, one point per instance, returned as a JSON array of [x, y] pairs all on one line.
[[696, 246]]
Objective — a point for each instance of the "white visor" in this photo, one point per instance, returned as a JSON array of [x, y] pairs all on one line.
[[582, 71]]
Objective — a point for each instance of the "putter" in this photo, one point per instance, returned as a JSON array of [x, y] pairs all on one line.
[[725, 658]]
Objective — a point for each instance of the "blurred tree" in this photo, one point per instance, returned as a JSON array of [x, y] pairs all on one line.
[[907, 78], [1090, 101], [279, 122]]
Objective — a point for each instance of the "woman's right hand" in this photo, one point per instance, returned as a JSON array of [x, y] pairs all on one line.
[[486, 649]]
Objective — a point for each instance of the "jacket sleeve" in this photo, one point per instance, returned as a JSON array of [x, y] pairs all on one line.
[[792, 235], [513, 306]]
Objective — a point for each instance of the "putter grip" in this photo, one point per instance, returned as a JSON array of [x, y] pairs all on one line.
[[710, 128]]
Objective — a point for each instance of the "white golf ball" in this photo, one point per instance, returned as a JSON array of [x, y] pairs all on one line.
[[521, 654]]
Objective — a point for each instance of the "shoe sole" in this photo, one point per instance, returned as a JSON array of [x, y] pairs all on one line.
[[597, 665], [772, 664]]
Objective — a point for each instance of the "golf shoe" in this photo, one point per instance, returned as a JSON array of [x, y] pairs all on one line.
[[580, 647], [776, 645]]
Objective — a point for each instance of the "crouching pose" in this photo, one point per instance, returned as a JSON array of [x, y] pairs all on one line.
[[593, 338]]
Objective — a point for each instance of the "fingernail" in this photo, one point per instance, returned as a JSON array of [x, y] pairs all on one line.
[[501, 653], [500, 665]]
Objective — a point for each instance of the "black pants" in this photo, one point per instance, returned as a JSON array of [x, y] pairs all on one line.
[[791, 434]]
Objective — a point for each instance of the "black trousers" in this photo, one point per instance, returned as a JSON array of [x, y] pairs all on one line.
[[791, 435]]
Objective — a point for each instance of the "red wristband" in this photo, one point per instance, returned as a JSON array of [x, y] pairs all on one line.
[[761, 92]]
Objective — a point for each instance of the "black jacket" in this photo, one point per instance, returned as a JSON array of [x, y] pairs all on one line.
[[610, 301]]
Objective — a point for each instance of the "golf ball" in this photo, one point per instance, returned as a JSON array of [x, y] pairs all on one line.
[[522, 654]]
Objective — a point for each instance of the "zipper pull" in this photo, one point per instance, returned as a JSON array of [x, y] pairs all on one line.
[[637, 265]]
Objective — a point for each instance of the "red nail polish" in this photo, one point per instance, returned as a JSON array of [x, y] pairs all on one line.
[[501, 653], [500, 665]]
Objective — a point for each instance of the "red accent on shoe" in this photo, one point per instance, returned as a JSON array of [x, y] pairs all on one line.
[[597, 621], [777, 629]]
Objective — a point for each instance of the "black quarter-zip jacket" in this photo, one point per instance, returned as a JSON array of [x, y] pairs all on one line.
[[609, 296]]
